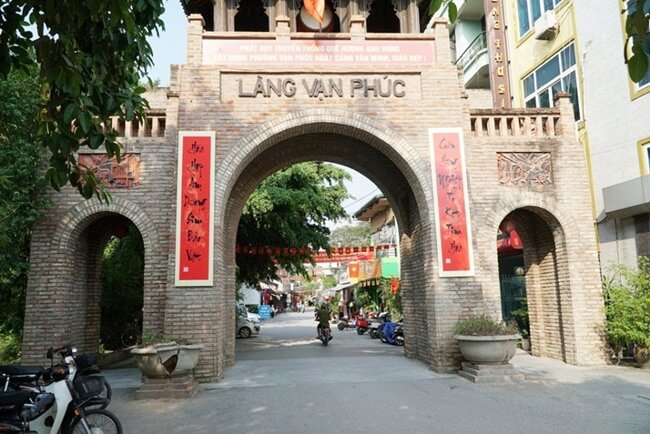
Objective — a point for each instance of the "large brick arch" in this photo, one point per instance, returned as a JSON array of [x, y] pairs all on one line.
[[353, 140], [75, 252], [550, 283]]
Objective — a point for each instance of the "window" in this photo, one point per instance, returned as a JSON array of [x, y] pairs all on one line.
[[530, 10], [558, 74]]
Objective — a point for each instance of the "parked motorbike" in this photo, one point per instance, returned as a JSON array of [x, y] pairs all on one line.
[[83, 365], [61, 405], [80, 369], [325, 335], [359, 323], [391, 333], [373, 326]]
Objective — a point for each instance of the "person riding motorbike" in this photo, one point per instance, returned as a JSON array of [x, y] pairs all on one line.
[[323, 316]]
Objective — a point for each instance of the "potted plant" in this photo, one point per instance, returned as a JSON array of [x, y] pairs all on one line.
[[166, 358], [482, 340]]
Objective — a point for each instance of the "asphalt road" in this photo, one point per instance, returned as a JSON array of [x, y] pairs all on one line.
[[285, 381]]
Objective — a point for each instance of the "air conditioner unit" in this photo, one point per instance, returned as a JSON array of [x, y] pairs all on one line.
[[546, 26]]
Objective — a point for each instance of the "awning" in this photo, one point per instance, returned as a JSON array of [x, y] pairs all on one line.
[[342, 286]]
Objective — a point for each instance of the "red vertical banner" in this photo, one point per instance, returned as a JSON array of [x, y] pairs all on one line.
[[195, 208], [455, 257]]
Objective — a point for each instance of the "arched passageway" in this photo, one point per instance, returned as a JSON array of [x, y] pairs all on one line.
[[545, 272]]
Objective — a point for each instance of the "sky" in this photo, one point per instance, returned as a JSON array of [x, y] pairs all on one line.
[[170, 49]]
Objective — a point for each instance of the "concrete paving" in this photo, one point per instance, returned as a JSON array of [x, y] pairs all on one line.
[[284, 381]]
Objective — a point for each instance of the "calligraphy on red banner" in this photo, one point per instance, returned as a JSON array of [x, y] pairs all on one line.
[[195, 204], [452, 213]]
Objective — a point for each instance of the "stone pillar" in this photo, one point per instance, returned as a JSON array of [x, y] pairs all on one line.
[[567, 124], [282, 28], [441, 32], [413, 16], [357, 28], [220, 16], [195, 39]]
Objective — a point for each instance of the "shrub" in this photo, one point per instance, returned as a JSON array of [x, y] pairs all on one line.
[[483, 325], [627, 305], [9, 348]]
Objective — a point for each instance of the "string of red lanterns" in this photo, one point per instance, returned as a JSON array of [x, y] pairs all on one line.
[[292, 251]]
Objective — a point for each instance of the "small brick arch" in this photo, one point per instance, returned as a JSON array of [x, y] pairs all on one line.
[[77, 254], [543, 230]]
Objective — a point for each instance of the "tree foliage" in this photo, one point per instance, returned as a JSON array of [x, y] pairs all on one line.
[[92, 54], [637, 31], [627, 305], [290, 209], [21, 201], [351, 235], [637, 44], [122, 286], [21, 191]]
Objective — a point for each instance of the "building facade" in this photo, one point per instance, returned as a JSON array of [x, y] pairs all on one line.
[[372, 93], [615, 113]]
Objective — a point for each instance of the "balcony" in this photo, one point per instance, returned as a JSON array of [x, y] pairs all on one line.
[[475, 62]]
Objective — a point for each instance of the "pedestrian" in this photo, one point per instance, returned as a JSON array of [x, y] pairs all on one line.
[[341, 309]]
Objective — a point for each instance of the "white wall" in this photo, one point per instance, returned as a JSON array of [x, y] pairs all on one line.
[[615, 123]]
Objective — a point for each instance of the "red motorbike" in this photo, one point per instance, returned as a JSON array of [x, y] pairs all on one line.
[[359, 323]]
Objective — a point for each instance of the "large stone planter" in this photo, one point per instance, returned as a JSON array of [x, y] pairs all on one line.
[[488, 350], [167, 370], [166, 360]]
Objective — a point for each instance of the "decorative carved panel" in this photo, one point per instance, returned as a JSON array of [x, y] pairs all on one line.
[[124, 174], [524, 168]]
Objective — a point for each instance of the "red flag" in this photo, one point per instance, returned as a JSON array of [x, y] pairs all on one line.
[[315, 8]]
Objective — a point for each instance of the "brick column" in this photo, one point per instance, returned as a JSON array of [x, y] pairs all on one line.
[[195, 39], [441, 32]]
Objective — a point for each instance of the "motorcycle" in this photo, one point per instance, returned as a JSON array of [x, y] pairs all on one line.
[[80, 369], [373, 326], [359, 323], [325, 335], [61, 405], [391, 333]]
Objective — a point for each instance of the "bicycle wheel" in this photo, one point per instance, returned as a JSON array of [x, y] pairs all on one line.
[[98, 420], [130, 337]]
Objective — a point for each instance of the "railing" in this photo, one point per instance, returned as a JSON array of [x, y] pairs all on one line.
[[153, 126], [476, 47], [516, 123]]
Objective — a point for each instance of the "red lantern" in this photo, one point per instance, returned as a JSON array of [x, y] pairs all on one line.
[[120, 230]]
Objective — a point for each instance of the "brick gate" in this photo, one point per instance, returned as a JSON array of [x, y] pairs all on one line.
[[373, 115]]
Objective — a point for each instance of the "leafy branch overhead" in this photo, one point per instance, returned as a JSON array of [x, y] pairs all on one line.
[[92, 54], [637, 46]]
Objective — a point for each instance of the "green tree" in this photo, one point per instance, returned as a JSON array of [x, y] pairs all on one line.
[[91, 56], [122, 286], [290, 209], [637, 32], [351, 235], [22, 197]]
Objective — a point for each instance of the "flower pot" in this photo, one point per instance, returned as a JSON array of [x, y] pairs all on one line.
[[166, 360], [488, 350], [525, 344]]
